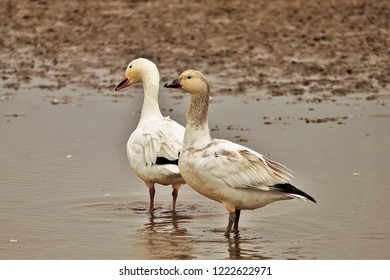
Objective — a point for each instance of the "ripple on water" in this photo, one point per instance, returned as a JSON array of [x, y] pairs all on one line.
[[197, 231]]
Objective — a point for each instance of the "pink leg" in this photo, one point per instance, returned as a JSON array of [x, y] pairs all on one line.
[[175, 192], [152, 192]]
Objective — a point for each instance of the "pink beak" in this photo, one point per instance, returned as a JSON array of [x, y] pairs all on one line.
[[122, 84]]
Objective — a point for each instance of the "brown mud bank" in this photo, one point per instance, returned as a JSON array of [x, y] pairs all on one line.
[[325, 48]]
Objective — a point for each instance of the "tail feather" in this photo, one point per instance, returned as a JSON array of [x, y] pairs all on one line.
[[290, 189]]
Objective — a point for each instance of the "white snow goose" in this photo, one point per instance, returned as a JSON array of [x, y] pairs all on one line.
[[153, 147], [231, 174]]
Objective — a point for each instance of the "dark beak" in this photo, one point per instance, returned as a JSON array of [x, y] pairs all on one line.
[[173, 84], [122, 84]]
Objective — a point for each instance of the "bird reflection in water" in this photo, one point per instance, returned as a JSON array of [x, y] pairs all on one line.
[[165, 237], [169, 235], [238, 252], [167, 223]]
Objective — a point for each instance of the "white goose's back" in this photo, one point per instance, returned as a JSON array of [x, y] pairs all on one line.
[[153, 139]]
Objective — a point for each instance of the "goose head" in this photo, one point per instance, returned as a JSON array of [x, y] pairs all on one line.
[[191, 81], [137, 71]]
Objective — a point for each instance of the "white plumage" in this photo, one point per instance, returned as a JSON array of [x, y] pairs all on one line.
[[234, 175], [159, 138], [153, 148]]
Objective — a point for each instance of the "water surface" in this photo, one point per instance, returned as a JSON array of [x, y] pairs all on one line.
[[67, 191]]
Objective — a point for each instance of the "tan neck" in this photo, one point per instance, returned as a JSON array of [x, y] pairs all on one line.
[[197, 112], [197, 129]]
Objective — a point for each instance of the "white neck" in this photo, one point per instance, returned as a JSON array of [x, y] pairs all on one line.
[[150, 108], [196, 137]]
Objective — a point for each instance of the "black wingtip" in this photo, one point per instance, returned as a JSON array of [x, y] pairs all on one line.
[[288, 188], [163, 160]]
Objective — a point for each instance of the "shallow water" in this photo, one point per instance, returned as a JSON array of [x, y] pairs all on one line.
[[67, 191]]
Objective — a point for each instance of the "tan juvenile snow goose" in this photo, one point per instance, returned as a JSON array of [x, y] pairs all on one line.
[[153, 147], [234, 175]]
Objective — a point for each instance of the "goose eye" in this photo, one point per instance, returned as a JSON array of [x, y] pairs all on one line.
[[188, 77]]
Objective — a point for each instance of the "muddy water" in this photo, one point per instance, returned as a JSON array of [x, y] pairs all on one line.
[[67, 191]]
